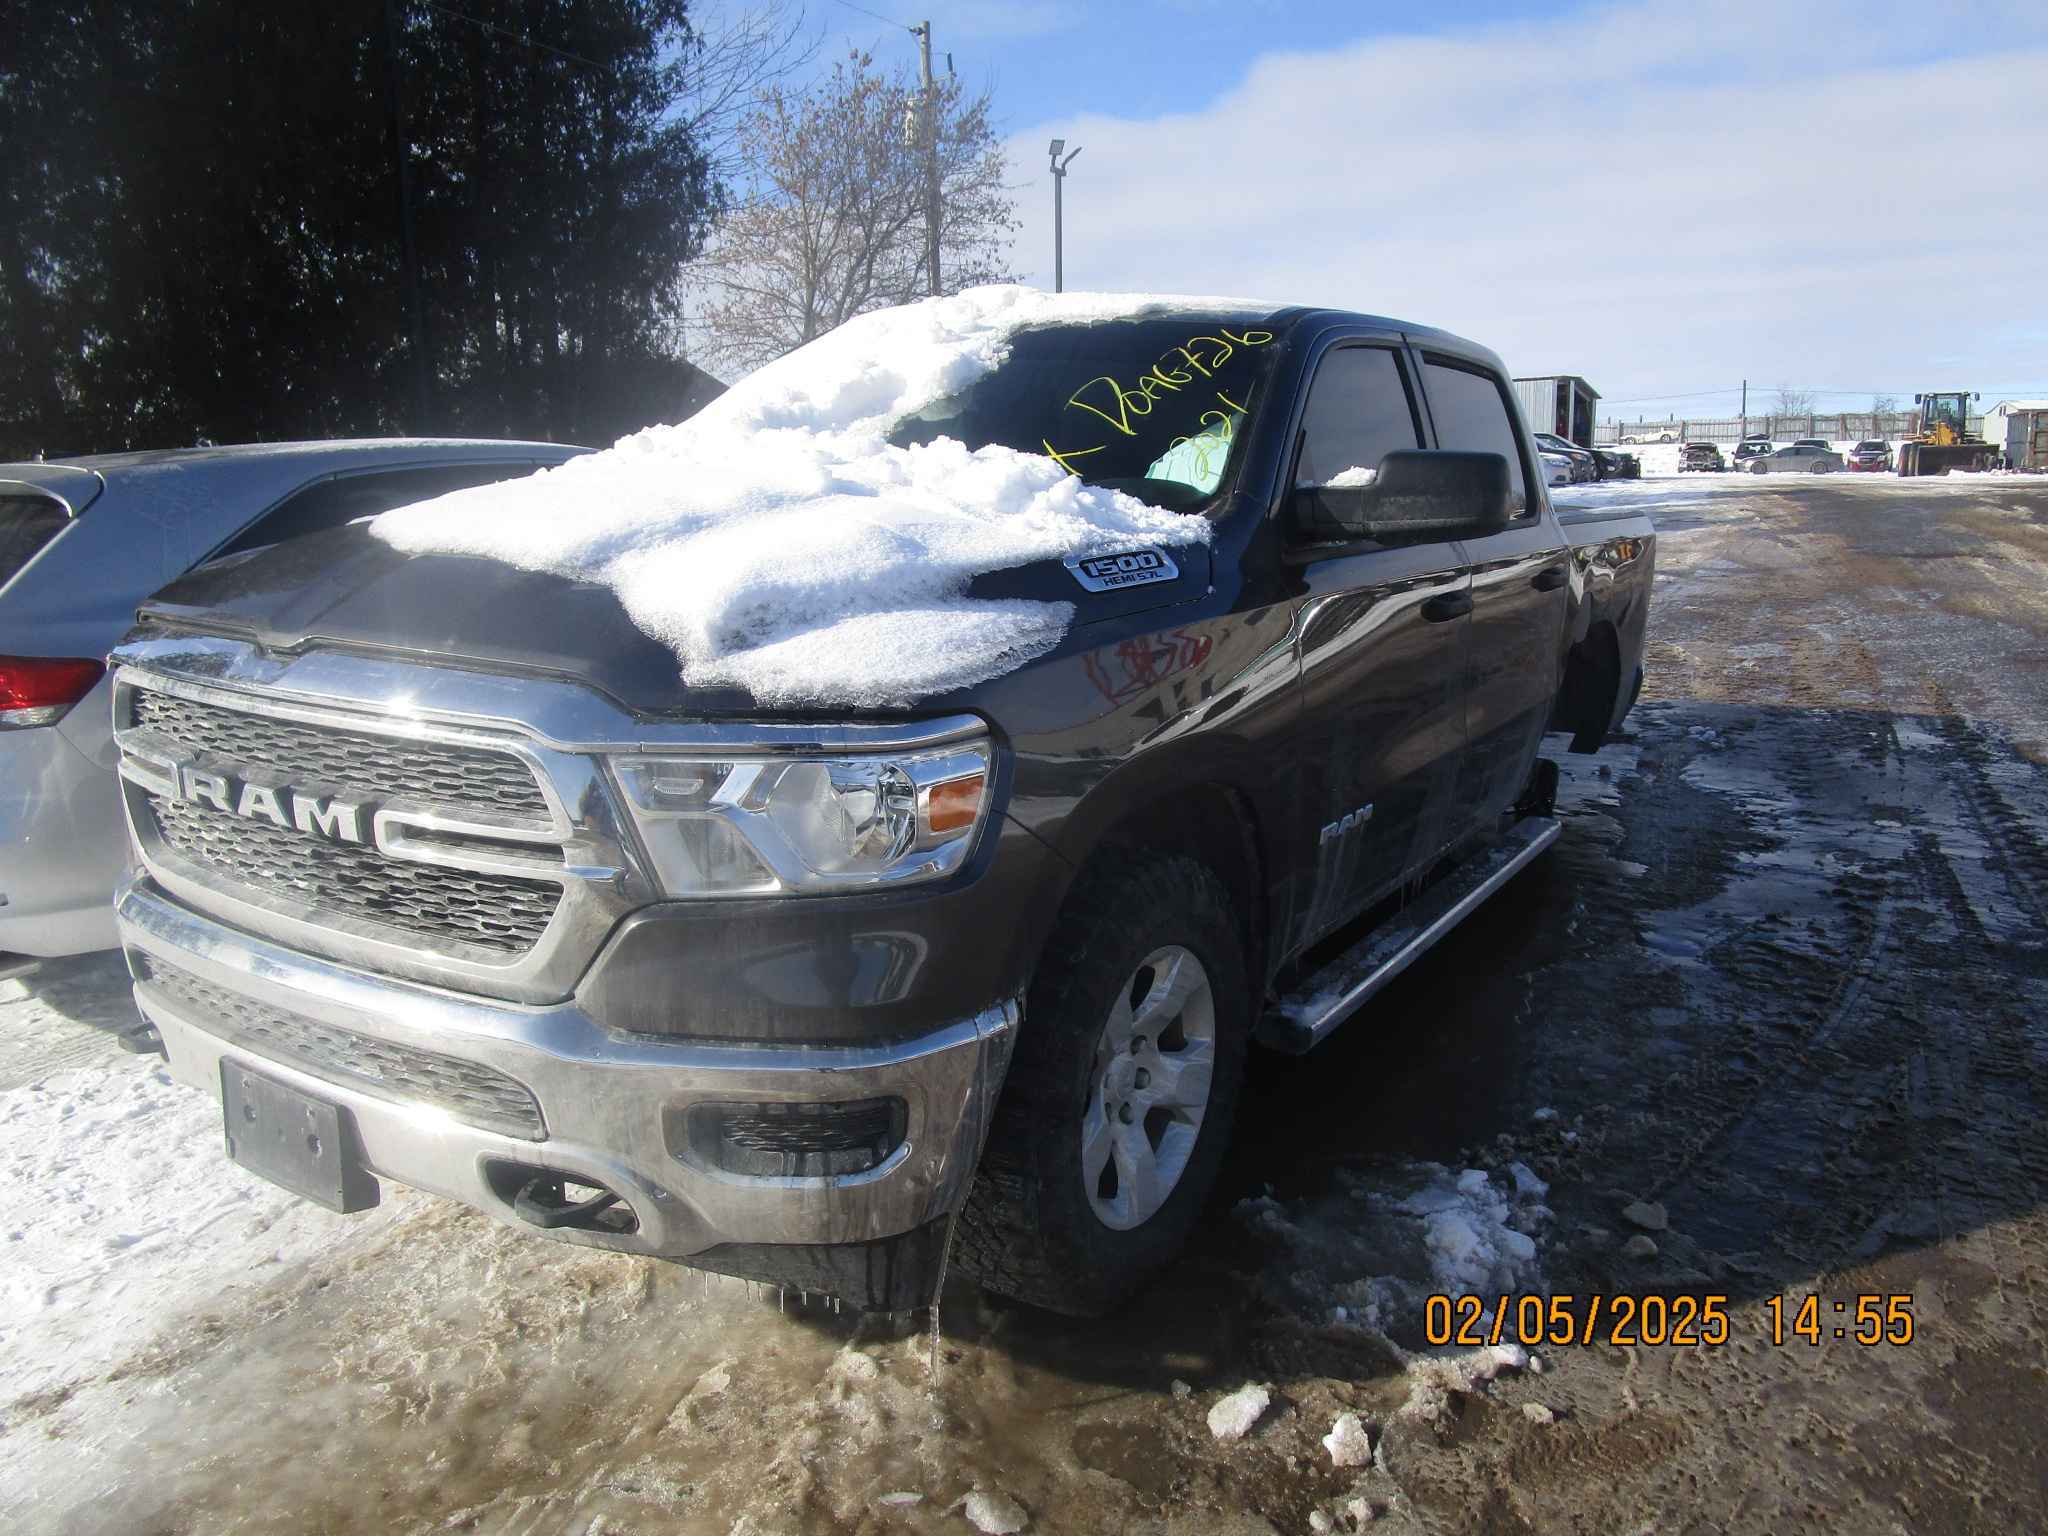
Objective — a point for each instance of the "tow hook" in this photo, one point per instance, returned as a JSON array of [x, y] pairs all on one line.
[[542, 1202]]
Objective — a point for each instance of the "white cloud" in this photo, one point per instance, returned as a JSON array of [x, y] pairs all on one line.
[[1659, 196]]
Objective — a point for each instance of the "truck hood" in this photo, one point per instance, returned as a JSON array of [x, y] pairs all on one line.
[[346, 589]]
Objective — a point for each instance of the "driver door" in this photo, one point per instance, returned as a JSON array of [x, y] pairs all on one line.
[[1382, 644]]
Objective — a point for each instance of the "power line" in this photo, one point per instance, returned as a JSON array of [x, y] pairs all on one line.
[[518, 37], [1690, 394], [876, 16]]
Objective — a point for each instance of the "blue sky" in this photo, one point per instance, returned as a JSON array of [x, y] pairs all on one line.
[[1146, 57], [1848, 196]]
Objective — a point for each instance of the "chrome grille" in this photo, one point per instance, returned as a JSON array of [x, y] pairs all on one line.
[[396, 769], [498, 912], [469, 1091]]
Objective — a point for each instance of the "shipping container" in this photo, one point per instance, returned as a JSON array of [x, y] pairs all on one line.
[[1562, 403], [2026, 439]]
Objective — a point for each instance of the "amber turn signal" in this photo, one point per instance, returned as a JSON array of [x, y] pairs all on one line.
[[953, 806]]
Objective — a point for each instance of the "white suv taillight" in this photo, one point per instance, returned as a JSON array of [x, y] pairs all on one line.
[[40, 690]]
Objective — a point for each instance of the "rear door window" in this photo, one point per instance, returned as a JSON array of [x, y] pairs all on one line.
[[330, 503], [1359, 410], [27, 523], [1470, 408]]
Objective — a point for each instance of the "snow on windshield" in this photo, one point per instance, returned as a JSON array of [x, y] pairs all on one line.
[[777, 542]]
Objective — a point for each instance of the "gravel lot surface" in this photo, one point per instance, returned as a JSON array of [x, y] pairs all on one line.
[[1768, 1022]]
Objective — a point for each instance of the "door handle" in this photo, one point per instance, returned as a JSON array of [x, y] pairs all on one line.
[[1550, 578], [1447, 605]]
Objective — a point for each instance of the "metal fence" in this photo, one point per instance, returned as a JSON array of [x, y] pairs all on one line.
[[1840, 427]]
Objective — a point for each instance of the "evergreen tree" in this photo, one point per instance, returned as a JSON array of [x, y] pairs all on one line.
[[201, 231]]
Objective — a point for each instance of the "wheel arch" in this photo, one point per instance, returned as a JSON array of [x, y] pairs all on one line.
[[1199, 810], [1591, 695]]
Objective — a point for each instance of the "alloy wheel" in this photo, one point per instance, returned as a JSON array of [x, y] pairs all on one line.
[[1148, 1089]]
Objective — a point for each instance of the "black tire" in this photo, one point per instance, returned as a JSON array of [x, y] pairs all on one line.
[[1028, 1229]]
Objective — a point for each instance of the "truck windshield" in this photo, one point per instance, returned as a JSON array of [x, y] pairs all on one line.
[[1157, 408]]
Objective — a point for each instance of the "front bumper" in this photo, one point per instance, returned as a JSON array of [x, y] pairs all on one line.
[[611, 1103]]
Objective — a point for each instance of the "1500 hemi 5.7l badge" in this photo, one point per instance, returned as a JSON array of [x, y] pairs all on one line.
[[1132, 568]]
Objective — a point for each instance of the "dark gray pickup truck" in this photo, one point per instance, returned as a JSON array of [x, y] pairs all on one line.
[[449, 874]]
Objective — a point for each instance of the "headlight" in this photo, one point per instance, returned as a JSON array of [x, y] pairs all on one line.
[[729, 825]]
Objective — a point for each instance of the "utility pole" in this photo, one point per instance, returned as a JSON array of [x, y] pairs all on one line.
[[931, 155], [1745, 410], [394, 105], [1059, 176]]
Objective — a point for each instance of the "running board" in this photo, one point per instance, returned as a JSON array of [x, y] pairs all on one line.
[[1304, 1017]]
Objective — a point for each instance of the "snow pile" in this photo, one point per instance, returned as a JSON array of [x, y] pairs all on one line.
[[1233, 1416], [994, 1514], [778, 543], [1367, 1254], [1467, 1232], [120, 1214], [1347, 1442], [1436, 1379]]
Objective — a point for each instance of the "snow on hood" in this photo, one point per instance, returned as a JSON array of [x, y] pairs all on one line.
[[777, 542]]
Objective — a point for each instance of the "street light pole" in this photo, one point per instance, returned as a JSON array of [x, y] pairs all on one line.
[[1059, 176]]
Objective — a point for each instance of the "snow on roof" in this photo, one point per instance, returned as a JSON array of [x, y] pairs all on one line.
[[777, 542]]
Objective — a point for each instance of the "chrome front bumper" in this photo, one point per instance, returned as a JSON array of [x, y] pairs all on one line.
[[605, 1097]]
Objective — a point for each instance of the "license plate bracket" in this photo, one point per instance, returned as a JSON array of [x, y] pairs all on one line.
[[294, 1139]]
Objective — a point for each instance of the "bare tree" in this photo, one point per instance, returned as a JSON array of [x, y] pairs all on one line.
[[730, 60], [833, 222], [1792, 402]]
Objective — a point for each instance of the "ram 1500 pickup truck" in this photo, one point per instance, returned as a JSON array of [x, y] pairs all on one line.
[[455, 869]]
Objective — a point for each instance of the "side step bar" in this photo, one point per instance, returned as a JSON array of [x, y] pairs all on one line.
[[1303, 1018]]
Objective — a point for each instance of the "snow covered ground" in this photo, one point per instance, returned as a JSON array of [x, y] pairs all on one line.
[[1799, 843], [118, 1209]]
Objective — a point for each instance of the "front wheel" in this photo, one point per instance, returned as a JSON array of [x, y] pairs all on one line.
[[1121, 1091]]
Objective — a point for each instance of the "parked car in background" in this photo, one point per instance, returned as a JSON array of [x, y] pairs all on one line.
[[1583, 465], [1613, 464], [1801, 458], [1750, 447], [1651, 437], [1702, 456], [82, 543], [1557, 469], [1874, 455], [1813, 442]]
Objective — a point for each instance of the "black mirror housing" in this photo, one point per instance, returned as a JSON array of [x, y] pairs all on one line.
[[1417, 493]]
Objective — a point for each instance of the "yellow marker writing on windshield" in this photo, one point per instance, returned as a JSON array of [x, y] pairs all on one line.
[[1072, 453]]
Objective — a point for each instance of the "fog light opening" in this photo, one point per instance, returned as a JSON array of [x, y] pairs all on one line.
[[809, 1140]]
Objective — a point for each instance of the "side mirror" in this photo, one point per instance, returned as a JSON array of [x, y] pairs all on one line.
[[1417, 493]]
